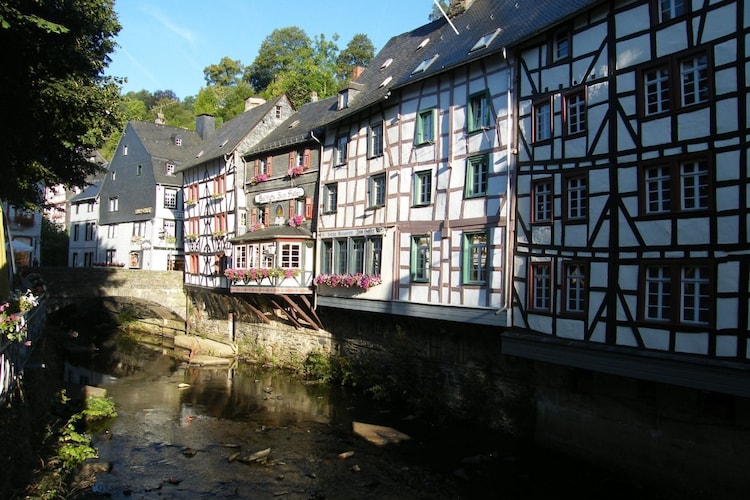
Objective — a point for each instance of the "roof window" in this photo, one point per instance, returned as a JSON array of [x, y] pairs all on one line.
[[424, 65], [423, 43], [485, 40]]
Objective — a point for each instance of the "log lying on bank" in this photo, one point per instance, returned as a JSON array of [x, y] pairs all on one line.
[[379, 435], [255, 457]]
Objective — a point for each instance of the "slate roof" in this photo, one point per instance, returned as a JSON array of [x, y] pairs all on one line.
[[312, 116], [90, 192], [273, 232], [227, 137], [159, 142], [518, 20]]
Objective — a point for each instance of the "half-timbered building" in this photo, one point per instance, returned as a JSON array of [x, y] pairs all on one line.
[[415, 181], [213, 190], [273, 260], [632, 218]]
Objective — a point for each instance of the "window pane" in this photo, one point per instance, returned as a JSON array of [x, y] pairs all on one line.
[[694, 175], [658, 293], [543, 202], [694, 80], [695, 295], [658, 190], [657, 90], [575, 288]]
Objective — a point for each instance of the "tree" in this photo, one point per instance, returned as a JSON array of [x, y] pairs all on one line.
[[228, 73], [276, 54], [57, 105], [358, 52], [436, 14]]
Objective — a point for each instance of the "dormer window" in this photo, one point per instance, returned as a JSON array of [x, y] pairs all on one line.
[[386, 81], [178, 140], [125, 150], [344, 99], [424, 65], [485, 40], [423, 43], [386, 63], [170, 168]]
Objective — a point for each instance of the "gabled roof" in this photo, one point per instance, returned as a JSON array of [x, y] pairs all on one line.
[[90, 192], [311, 117], [273, 232], [435, 47], [159, 140], [227, 137]]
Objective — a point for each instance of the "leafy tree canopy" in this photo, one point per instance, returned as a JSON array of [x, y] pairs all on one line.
[[227, 73], [436, 14], [359, 52], [57, 105], [276, 53]]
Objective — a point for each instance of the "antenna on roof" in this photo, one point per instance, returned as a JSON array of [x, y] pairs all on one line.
[[445, 16]]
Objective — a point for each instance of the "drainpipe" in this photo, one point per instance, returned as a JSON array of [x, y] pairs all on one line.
[[316, 199]]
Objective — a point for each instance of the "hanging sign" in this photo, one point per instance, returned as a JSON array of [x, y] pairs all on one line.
[[281, 195]]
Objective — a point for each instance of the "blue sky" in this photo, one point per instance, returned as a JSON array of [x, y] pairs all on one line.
[[166, 44]]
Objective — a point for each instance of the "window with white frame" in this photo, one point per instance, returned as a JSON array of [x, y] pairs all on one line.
[[561, 45], [575, 197], [339, 152], [375, 142], [677, 293], [170, 229], [676, 83], [112, 231], [677, 185], [330, 197], [425, 127], [542, 116], [113, 204], [139, 229], [268, 254], [479, 112], [422, 186], [694, 78], [477, 174], [76, 231], [291, 255], [575, 113], [420, 258], [541, 286], [541, 200], [90, 205], [111, 255], [475, 258], [356, 255], [376, 191], [671, 9], [575, 288], [239, 253], [170, 198]]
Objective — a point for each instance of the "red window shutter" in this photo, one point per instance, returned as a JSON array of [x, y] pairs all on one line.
[[292, 204], [308, 207], [292, 159], [306, 159], [257, 167], [269, 165], [254, 216]]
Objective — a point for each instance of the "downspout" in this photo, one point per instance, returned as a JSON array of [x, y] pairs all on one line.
[[316, 199], [512, 141]]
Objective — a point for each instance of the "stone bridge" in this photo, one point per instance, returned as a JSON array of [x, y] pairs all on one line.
[[161, 291]]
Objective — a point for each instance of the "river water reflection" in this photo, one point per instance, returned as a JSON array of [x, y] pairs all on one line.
[[187, 432]]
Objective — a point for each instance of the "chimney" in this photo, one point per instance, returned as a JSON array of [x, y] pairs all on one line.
[[357, 71], [253, 102], [314, 96], [160, 118], [458, 7], [205, 125]]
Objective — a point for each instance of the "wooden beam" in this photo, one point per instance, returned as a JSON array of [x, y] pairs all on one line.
[[291, 317], [312, 311], [258, 312], [299, 311]]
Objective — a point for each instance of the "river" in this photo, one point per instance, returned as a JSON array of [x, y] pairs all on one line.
[[194, 432]]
